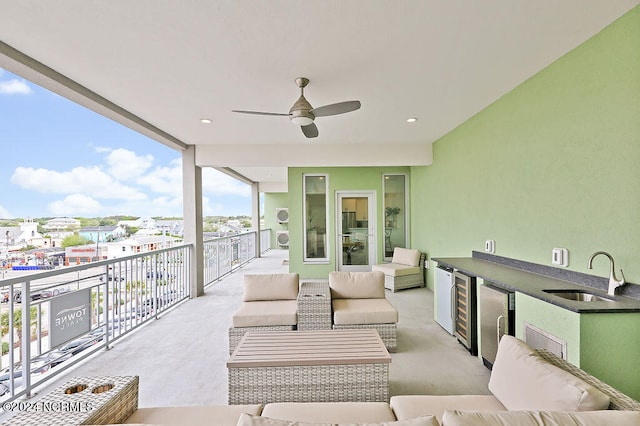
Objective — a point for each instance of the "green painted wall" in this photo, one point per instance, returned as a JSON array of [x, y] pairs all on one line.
[[272, 201], [609, 349], [553, 163], [339, 178]]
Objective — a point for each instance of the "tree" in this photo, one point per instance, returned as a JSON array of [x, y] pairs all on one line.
[[17, 323], [74, 240]]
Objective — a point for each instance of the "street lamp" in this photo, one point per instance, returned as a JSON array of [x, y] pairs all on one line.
[[97, 243]]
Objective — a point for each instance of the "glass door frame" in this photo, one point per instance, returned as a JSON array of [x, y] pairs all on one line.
[[371, 229]]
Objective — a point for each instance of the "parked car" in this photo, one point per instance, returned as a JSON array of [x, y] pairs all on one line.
[[52, 293], [159, 274], [80, 344], [53, 358], [112, 277], [37, 367], [35, 295]]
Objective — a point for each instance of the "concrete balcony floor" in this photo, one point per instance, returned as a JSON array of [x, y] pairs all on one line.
[[181, 357]]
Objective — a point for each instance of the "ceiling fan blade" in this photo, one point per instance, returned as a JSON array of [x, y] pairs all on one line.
[[260, 113], [310, 131], [335, 109]]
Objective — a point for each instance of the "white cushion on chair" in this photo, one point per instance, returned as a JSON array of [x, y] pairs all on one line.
[[363, 311], [356, 285], [406, 256], [396, 269], [270, 287], [265, 313]]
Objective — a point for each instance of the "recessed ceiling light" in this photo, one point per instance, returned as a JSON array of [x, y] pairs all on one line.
[[412, 120], [206, 120]]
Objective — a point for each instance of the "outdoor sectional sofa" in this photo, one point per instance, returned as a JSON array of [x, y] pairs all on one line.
[[528, 388], [276, 302]]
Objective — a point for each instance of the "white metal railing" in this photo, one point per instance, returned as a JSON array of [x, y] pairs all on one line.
[[225, 254], [265, 240], [122, 294]]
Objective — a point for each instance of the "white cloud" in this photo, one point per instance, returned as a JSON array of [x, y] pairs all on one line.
[[4, 213], [88, 180], [124, 164], [14, 87], [164, 180], [76, 205]]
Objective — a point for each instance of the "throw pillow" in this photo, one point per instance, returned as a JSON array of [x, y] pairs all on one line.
[[251, 420]]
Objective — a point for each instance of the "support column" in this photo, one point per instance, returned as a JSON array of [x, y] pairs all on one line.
[[255, 213], [192, 212]]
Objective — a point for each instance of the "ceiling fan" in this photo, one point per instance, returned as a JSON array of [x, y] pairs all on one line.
[[303, 114]]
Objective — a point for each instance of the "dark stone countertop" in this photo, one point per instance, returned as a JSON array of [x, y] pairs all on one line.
[[533, 284]]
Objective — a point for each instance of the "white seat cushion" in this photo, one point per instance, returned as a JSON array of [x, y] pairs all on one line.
[[406, 256], [410, 406], [264, 313], [542, 418], [210, 415], [523, 381], [330, 412], [363, 311], [396, 269]]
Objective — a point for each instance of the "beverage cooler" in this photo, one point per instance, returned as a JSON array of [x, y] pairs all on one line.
[[497, 318], [465, 300]]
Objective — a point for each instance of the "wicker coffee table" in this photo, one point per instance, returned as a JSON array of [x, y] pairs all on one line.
[[309, 366]]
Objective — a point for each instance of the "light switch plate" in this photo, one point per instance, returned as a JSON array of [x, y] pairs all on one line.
[[490, 246]]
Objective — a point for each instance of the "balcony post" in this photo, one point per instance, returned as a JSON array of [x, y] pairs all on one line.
[[192, 212], [255, 215]]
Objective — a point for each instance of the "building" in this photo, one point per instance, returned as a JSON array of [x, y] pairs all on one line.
[[102, 233], [141, 223], [62, 224]]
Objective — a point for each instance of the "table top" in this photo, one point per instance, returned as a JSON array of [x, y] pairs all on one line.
[[317, 347]]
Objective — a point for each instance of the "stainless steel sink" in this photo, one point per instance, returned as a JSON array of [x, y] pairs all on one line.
[[579, 295]]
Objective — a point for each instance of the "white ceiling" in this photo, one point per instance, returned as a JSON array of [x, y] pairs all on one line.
[[160, 66]]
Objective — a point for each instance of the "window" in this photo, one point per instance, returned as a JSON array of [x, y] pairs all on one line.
[[315, 218], [395, 211]]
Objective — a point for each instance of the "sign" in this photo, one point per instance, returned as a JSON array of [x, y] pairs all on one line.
[[69, 316]]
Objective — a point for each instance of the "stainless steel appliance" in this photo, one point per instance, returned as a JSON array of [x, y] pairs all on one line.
[[497, 318], [465, 300], [443, 296]]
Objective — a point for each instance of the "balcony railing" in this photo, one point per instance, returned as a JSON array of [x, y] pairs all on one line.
[[69, 313]]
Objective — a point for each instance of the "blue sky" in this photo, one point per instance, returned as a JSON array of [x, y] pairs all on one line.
[[60, 159]]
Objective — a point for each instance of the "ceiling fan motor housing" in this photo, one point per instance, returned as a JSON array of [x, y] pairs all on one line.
[[300, 112]]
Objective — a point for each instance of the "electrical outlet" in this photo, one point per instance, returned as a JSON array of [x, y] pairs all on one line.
[[426, 264]]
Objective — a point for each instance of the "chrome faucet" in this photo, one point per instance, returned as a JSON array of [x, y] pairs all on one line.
[[614, 283]]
